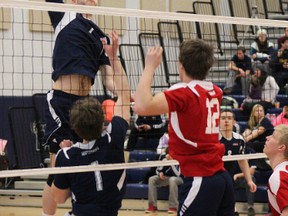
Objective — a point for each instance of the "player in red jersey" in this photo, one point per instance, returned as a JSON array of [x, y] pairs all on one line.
[[276, 148], [193, 107]]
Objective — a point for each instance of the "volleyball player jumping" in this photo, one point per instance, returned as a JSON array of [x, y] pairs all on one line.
[[193, 108], [77, 56]]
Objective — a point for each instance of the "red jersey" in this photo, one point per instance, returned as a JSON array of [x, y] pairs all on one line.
[[194, 111], [278, 188]]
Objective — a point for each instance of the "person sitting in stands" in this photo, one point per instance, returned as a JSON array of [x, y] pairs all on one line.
[[282, 118], [259, 127], [279, 64], [262, 49], [165, 176], [146, 127], [163, 144], [239, 70], [281, 39], [263, 90]]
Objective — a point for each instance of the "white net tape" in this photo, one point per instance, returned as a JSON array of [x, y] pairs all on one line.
[[22, 4], [107, 167]]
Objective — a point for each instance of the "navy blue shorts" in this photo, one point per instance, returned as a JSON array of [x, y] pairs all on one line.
[[57, 107], [207, 196]]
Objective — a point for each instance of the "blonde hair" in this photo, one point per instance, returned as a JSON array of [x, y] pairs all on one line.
[[283, 138], [261, 31], [252, 122]]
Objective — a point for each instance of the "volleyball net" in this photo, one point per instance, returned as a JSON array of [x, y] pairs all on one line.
[[27, 42]]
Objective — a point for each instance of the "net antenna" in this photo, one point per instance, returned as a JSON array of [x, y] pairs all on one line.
[[254, 15]]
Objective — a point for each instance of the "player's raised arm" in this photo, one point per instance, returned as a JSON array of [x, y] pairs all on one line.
[[120, 80], [145, 102]]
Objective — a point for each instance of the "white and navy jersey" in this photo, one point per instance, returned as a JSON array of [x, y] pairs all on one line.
[[98, 192], [78, 48], [235, 145]]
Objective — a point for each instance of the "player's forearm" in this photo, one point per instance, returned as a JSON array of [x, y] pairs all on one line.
[[122, 87], [244, 166], [107, 75], [143, 95]]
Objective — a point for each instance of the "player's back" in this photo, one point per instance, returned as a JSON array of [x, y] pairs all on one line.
[[194, 128]]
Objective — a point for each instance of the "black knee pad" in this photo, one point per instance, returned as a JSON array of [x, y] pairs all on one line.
[[50, 179]]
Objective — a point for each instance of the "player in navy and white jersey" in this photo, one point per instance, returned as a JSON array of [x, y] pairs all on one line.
[[276, 148], [100, 192], [77, 56], [194, 109], [234, 144]]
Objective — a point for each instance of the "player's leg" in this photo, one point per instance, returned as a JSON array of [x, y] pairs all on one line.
[[227, 205], [48, 204], [203, 196], [57, 129], [174, 182]]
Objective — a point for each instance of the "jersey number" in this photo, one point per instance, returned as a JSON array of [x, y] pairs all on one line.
[[212, 116], [98, 178]]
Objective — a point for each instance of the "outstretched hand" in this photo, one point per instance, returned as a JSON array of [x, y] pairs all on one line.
[[153, 57], [111, 49]]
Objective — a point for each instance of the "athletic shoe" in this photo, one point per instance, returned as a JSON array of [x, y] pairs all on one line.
[[68, 213], [151, 209], [251, 211], [172, 211]]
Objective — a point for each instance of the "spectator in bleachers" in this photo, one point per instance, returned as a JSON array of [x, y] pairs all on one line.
[[163, 144], [279, 64], [234, 144], [276, 148], [165, 176], [146, 127], [281, 39], [239, 71], [282, 118], [161, 150], [263, 90], [262, 49], [259, 127]]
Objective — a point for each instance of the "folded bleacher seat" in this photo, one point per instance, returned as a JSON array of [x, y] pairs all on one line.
[[136, 175], [142, 155]]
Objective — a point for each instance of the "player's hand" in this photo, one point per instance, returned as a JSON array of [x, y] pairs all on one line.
[[235, 177], [146, 127], [111, 49], [153, 57], [252, 186], [66, 143]]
